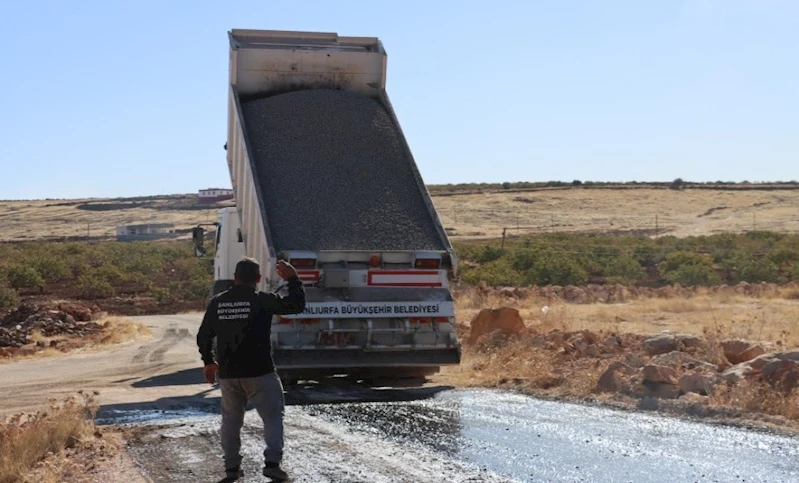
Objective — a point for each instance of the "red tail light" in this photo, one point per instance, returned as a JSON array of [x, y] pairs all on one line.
[[427, 263], [303, 262]]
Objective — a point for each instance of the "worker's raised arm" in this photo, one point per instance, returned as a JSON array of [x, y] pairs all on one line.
[[294, 302], [207, 332]]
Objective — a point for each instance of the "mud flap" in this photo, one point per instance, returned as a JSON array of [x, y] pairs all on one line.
[[346, 358]]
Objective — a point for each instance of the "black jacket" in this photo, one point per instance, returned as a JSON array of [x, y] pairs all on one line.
[[241, 320]]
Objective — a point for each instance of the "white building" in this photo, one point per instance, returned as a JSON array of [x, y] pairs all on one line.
[[147, 231], [210, 195]]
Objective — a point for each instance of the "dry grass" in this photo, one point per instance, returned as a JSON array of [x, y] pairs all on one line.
[[757, 397], [115, 330], [56, 219], [26, 440], [731, 315], [681, 213], [118, 330]]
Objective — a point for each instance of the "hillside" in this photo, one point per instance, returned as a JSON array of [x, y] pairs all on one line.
[[465, 213]]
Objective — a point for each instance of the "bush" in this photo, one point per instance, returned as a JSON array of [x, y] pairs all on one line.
[[677, 184], [498, 272], [688, 269], [24, 277], [161, 295], [549, 267], [691, 275], [144, 265], [488, 253], [51, 269], [783, 256], [92, 287], [795, 273], [197, 289], [9, 298], [748, 269], [109, 273], [624, 270], [675, 260]]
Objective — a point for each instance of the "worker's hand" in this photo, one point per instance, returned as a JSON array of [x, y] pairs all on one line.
[[210, 371], [285, 270]]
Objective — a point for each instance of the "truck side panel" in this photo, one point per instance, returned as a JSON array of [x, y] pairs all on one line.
[[246, 188]]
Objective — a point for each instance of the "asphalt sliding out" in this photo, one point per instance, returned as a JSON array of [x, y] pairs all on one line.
[[334, 174]]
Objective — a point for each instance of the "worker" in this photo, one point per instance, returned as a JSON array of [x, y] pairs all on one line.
[[240, 319]]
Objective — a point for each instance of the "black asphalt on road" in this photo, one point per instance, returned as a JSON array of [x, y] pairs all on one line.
[[471, 436]]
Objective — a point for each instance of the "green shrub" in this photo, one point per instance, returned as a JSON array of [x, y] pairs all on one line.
[[675, 260], [624, 270], [109, 273], [498, 272], [161, 295], [93, 287], [549, 267], [691, 275], [9, 298], [197, 289], [144, 265], [189, 268], [795, 273], [24, 277], [784, 256], [51, 269], [488, 253], [748, 269], [688, 269]]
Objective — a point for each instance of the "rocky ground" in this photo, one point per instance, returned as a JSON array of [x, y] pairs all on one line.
[[650, 371], [17, 328]]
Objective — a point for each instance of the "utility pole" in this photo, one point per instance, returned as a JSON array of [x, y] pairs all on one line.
[[657, 230]]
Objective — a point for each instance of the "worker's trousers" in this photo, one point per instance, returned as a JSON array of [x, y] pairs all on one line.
[[266, 395]]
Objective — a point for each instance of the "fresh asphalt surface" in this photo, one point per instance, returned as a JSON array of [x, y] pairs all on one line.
[[470, 436], [344, 432]]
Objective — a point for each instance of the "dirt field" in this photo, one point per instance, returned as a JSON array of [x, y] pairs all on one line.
[[98, 218], [680, 213]]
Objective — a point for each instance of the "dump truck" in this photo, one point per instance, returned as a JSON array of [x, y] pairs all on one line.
[[324, 178]]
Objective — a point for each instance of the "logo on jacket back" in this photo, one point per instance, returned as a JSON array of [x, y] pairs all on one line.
[[233, 310]]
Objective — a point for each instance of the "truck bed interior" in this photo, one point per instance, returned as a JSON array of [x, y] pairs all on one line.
[[334, 174]]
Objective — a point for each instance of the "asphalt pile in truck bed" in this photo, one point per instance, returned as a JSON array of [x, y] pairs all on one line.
[[334, 174]]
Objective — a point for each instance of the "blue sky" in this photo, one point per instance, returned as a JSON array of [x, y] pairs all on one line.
[[129, 98]]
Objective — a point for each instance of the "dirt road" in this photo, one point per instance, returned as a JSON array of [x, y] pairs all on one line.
[[150, 372], [342, 432]]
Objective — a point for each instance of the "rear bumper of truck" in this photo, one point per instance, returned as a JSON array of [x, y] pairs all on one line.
[[364, 358]]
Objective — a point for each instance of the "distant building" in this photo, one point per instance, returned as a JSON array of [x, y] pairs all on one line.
[[211, 195], [148, 231]]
